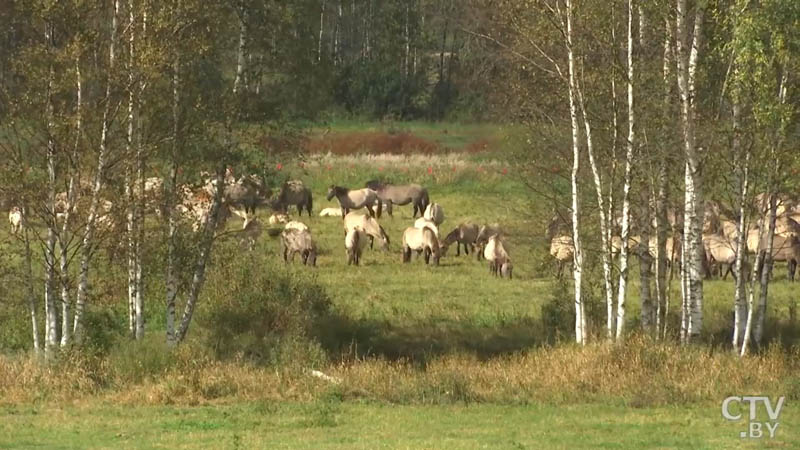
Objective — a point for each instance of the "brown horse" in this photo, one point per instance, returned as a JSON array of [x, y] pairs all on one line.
[[404, 194], [353, 199]]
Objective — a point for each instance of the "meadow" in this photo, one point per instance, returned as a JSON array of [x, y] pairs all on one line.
[[422, 356]]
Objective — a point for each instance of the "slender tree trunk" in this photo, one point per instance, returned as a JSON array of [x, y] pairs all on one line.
[[170, 197], [604, 219], [241, 53], [662, 224], [407, 38], [102, 160], [625, 236], [131, 181], [199, 275], [577, 272], [766, 271], [647, 316], [72, 192], [692, 313], [321, 31], [740, 307], [28, 270], [756, 275], [51, 314]]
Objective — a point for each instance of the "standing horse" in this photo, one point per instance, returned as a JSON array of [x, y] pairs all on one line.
[[294, 192], [353, 199], [400, 195]]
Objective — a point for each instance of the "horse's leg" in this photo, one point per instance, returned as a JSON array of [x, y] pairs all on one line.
[[406, 254], [371, 211], [427, 253], [371, 241], [380, 208], [389, 208], [792, 267]]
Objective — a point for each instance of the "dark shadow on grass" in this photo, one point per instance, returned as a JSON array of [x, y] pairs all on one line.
[[346, 338]]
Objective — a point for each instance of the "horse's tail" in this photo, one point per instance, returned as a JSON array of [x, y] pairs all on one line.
[[424, 200]]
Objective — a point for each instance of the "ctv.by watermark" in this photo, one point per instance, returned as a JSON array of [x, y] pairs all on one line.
[[731, 410]]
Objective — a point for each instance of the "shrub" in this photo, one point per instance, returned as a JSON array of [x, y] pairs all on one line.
[[263, 314]]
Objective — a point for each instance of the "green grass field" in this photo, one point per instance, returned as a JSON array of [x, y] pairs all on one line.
[[429, 357], [371, 426]]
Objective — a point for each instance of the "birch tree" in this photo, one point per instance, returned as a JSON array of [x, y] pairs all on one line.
[[626, 204], [687, 51], [97, 185]]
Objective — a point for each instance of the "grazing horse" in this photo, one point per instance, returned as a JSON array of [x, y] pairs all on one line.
[[353, 199], [496, 254], [295, 241], [404, 194], [721, 251], [484, 233], [294, 192], [354, 242], [421, 240], [368, 225], [465, 234], [562, 249]]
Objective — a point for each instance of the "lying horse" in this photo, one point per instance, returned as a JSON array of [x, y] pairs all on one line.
[[353, 199], [404, 194]]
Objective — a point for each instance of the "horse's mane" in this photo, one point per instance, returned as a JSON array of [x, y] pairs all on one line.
[[451, 237], [339, 190]]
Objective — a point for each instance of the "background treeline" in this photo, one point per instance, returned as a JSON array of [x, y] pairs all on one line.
[[306, 59]]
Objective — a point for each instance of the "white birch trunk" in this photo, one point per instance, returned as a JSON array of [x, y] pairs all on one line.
[[766, 272], [51, 314], [577, 272], [605, 232], [756, 275], [88, 236], [740, 307], [625, 235], [199, 275], [240, 52], [662, 223], [131, 194], [71, 199], [170, 198], [692, 322], [766, 275], [29, 291], [321, 31]]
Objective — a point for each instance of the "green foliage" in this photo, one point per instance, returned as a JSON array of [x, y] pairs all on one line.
[[263, 314]]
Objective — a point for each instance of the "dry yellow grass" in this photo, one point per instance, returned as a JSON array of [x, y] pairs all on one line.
[[641, 373]]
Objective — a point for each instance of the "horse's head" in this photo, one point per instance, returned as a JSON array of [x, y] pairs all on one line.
[[331, 192]]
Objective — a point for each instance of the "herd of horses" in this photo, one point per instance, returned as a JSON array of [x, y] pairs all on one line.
[[720, 238], [360, 229], [241, 196]]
